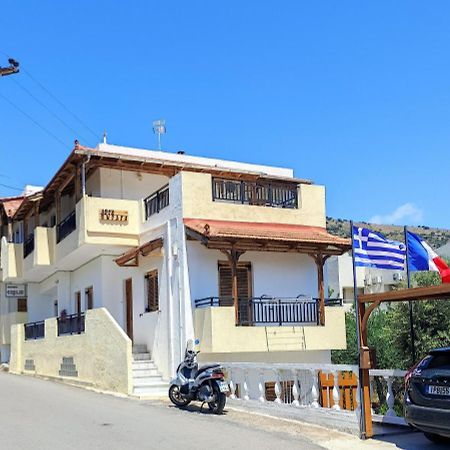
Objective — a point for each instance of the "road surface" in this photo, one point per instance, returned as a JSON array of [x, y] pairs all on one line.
[[38, 414]]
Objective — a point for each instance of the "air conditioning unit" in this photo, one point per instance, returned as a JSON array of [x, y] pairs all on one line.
[[398, 276], [377, 280]]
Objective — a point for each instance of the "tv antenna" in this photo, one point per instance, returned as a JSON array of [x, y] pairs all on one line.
[[159, 128]]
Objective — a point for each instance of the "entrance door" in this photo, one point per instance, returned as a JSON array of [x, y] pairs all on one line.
[[129, 306], [78, 303]]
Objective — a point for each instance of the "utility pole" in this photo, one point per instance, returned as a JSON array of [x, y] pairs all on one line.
[[11, 69]]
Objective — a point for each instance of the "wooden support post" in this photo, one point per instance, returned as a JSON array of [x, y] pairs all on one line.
[[78, 193], [37, 222], [320, 259], [365, 365], [10, 229], [233, 258]]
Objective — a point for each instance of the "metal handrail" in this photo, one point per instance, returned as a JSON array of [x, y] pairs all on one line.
[[34, 330], [66, 226], [71, 324], [157, 201], [28, 245]]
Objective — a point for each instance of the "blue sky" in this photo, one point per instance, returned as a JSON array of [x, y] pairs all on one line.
[[354, 95]]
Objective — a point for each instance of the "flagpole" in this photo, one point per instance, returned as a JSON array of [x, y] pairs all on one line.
[[408, 278], [362, 424]]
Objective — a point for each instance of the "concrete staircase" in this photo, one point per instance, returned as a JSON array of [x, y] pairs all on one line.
[[147, 381]]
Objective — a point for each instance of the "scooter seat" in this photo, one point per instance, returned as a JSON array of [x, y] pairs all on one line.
[[206, 367]]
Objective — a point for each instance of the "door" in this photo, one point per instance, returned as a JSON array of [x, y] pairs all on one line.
[[89, 297], [78, 303], [129, 306]]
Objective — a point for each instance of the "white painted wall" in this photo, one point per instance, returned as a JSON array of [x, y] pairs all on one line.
[[129, 185], [274, 274]]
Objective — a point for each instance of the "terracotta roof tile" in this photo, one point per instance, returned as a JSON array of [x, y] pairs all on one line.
[[221, 229], [11, 205]]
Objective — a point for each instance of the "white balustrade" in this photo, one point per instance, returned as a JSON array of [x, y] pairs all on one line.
[[390, 399], [277, 389], [336, 391], [295, 389], [232, 385], [314, 389], [245, 386], [262, 387]]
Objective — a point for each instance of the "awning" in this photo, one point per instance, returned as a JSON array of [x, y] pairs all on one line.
[[273, 237], [131, 257]]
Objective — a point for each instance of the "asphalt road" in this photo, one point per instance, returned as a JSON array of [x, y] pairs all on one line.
[[38, 414]]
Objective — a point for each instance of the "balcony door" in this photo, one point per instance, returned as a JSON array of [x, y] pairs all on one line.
[[244, 281]]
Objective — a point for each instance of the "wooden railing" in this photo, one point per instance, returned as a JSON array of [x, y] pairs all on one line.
[[255, 193], [28, 246], [271, 310], [34, 330], [157, 201], [66, 226]]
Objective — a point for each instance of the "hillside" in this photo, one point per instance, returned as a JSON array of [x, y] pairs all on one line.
[[436, 237]]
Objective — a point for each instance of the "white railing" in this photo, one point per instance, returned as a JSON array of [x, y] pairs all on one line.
[[296, 386]]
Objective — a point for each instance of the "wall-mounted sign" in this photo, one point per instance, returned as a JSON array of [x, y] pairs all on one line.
[[113, 215], [16, 290]]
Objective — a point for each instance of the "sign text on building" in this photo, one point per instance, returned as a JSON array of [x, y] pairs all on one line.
[[15, 290], [113, 215]]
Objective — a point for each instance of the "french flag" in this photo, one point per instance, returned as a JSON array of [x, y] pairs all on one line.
[[422, 257]]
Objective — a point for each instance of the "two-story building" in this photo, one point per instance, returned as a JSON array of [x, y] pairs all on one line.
[[172, 246]]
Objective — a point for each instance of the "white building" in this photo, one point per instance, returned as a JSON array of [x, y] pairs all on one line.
[[339, 276], [173, 247]]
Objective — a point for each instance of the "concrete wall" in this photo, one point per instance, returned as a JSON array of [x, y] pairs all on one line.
[[11, 262], [198, 203], [102, 355], [216, 329]]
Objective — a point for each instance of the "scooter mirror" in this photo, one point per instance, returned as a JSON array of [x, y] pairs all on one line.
[[190, 345]]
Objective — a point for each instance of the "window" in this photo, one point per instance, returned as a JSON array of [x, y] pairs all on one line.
[[89, 297], [22, 305], [152, 291], [244, 281]]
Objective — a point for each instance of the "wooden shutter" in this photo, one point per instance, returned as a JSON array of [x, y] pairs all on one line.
[[22, 305], [152, 291], [244, 281], [89, 293]]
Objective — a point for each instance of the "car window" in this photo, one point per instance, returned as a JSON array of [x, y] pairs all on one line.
[[439, 362]]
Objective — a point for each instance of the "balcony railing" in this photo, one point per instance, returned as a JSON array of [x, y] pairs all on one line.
[[271, 310], [66, 226], [28, 246], [34, 330], [255, 193], [157, 201], [71, 324]]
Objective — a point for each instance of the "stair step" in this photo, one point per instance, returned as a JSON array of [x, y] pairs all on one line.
[[141, 356], [144, 364], [141, 373], [161, 391], [148, 382], [140, 348]]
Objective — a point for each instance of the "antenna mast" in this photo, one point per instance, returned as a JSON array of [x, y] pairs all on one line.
[[159, 128]]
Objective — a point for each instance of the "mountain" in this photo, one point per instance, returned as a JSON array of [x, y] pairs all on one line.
[[436, 237]]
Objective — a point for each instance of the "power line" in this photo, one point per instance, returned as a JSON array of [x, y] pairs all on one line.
[[48, 109], [34, 121], [60, 103], [11, 187]]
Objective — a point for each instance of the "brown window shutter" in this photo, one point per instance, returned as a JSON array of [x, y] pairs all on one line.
[[244, 280], [22, 305], [152, 291]]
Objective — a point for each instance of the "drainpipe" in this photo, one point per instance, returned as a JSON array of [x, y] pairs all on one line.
[[83, 175]]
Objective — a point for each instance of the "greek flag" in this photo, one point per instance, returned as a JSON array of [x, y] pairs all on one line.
[[374, 250]]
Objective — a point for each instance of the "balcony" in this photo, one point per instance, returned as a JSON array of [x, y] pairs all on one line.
[[66, 226], [255, 193], [34, 330], [28, 246], [157, 201], [268, 325]]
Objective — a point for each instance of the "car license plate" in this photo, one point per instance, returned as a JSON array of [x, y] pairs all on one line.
[[223, 387], [438, 390]]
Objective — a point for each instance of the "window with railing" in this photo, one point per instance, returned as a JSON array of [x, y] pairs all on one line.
[[34, 330], [28, 246], [66, 226], [260, 193], [157, 201]]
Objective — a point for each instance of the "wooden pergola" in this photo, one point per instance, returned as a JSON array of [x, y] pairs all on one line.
[[235, 238], [441, 292]]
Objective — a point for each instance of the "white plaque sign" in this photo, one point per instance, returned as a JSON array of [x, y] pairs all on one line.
[[16, 290]]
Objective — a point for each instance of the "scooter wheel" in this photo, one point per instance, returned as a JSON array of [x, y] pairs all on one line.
[[218, 404], [176, 397]]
